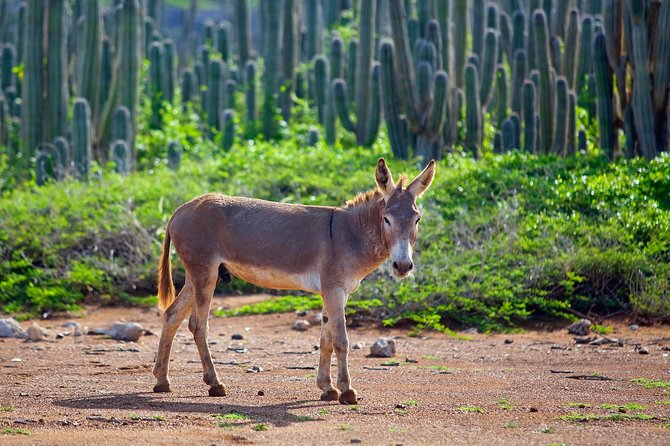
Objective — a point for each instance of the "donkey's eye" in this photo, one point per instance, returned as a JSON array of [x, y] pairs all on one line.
[[387, 221], [417, 221]]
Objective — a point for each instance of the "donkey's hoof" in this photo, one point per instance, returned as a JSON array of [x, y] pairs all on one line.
[[330, 395], [162, 388], [217, 390], [349, 397]]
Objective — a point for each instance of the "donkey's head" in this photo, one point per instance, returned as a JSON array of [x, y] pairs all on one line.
[[400, 217]]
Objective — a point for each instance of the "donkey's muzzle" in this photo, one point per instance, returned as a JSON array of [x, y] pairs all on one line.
[[402, 268]]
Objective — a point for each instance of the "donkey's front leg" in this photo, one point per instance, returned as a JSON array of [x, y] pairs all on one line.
[[323, 380], [335, 301]]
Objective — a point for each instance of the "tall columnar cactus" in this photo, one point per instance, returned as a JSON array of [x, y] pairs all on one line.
[[584, 53], [215, 93], [444, 17], [392, 110], [4, 121], [121, 127], [243, 31], [89, 58], [502, 102], [228, 137], [170, 56], [81, 137], [518, 76], [129, 62], [518, 31], [223, 40], [314, 43], [561, 115], [529, 113], [571, 53], [271, 36], [473, 113], [546, 87], [63, 147], [488, 66], [367, 87], [174, 154], [7, 63], [290, 55], [107, 87], [605, 95], [478, 26], [57, 85], [120, 154], [324, 100], [572, 124], [188, 86], [158, 82], [643, 109], [660, 57], [460, 40], [32, 103], [250, 91], [154, 10]]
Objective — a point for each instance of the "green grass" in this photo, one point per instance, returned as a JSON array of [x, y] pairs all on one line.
[[228, 425], [431, 358], [410, 403], [627, 406], [470, 409], [16, 431], [345, 427], [651, 383], [231, 416], [504, 404], [301, 418], [353, 408], [588, 417], [579, 405], [399, 411], [548, 430], [283, 304], [261, 427], [512, 425], [663, 402], [439, 368], [397, 430], [323, 412], [6, 409], [601, 329]]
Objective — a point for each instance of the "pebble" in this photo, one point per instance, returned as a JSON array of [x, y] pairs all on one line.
[[301, 325], [10, 328], [355, 441], [237, 337], [383, 348], [508, 341], [71, 324], [533, 409], [301, 313], [254, 369], [634, 327], [36, 333], [471, 330], [125, 331], [316, 318], [643, 350], [358, 346], [580, 328], [260, 393]]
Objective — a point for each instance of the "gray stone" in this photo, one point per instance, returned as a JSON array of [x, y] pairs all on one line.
[[315, 319], [237, 337], [383, 348], [471, 330], [643, 350], [9, 328], [125, 331], [358, 346], [634, 327], [71, 324], [580, 328], [301, 325], [36, 333]]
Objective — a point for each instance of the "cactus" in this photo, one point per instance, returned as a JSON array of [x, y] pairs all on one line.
[[643, 110], [572, 124], [106, 90], [501, 95], [505, 36], [314, 43], [228, 137], [478, 26], [209, 39], [121, 126], [488, 66], [518, 31], [63, 148], [571, 53], [215, 93], [509, 136], [89, 58], [473, 114], [518, 77], [444, 16], [271, 34], [581, 141], [660, 56], [605, 95], [81, 137], [154, 9], [289, 49], [169, 67], [4, 121], [158, 81], [460, 40], [352, 58], [188, 86], [394, 126], [7, 63], [546, 86], [229, 94], [243, 31], [250, 90], [223, 40], [129, 62], [57, 84], [561, 115], [174, 155], [584, 54], [32, 104], [120, 154], [323, 97], [313, 136], [529, 112]]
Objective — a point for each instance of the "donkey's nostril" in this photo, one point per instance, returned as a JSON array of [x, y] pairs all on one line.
[[411, 266], [395, 265]]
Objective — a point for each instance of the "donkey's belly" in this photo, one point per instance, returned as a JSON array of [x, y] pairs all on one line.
[[269, 277]]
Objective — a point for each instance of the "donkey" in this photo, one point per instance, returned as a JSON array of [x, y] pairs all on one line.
[[317, 249]]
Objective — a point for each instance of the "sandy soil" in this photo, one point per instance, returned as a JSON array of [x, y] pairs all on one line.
[[445, 390]]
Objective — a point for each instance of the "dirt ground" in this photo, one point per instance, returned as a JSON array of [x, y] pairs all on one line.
[[488, 389]]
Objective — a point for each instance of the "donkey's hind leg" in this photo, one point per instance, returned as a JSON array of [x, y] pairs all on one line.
[[172, 319], [323, 379], [199, 325]]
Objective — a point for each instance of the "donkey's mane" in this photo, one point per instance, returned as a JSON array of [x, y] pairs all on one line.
[[372, 196]]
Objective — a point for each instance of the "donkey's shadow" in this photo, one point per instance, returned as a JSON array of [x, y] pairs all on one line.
[[276, 414]]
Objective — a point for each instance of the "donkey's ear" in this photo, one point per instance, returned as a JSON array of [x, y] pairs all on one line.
[[384, 178], [419, 184]]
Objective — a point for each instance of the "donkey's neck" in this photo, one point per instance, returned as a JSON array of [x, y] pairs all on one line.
[[364, 216]]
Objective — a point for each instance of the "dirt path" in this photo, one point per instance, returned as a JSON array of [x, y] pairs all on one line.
[[92, 390]]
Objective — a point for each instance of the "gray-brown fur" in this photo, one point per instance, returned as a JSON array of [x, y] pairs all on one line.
[[318, 249]]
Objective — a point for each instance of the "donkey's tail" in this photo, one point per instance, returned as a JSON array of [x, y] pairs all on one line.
[[166, 291]]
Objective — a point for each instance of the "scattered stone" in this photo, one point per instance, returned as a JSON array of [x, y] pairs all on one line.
[[557, 347], [590, 377], [237, 337], [382, 369], [300, 367], [508, 341], [126, 331], [584, 340], [643, 350], [71, 324], [62, 335], [580, 328], [254, 369], [401, 406], [78, 332], [301, 325], [533, 409], [9, 328], [36, 333], [634, 327], [315, 319], [411, 361], [358, 346], [383, 348], [561, 371], [301, 313], [471, 330], [355, 441], [260, 393], [237, 348]]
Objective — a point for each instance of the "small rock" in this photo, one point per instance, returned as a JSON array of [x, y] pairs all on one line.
[[237, 337], [9, 328], [383, 348], [301, 313], [508, 341], [125, 331], [260, 393], [634, 327], [643, 350], [36, 333], [71, 324], [580, 328], [358, 346], [301, 325], [401, 406], [78, 332], [16, 360], [315, 319], [254, 369], [471, 330], [584, 340], [411, 361], [533, 409], [355, 441]]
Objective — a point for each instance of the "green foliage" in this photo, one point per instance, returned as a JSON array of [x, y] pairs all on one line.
[[651, 383]]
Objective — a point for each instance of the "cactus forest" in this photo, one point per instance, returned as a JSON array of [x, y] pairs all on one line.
[[550, 120]]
